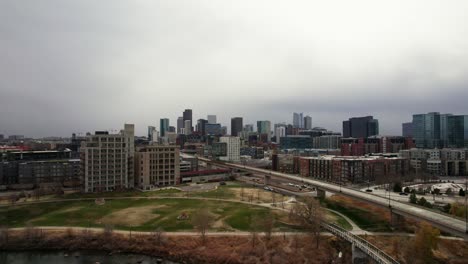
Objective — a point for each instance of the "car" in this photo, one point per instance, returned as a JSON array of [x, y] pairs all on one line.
[[222, 183], [369, 190], [403, 193], [290, 184]]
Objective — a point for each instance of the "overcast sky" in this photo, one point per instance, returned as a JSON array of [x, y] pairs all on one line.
[[77, 66]]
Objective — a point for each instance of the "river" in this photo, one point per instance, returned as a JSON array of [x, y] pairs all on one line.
[[76, 257]]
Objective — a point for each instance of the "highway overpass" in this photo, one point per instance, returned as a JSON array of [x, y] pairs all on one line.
[[446, 223]]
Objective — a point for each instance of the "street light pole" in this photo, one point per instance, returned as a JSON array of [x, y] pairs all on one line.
[[340, 181], [466, 208]]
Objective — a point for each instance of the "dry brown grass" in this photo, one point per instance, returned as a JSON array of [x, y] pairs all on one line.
[[264, 196], [448, 252], [232, 249], [133, 216]]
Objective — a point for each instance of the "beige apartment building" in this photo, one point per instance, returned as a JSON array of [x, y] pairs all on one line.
[[157, 166], [108, 160]]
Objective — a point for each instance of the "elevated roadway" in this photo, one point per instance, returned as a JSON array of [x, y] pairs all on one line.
[[446, 223]]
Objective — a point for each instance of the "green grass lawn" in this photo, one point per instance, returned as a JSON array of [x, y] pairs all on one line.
[[139, 214], [340, 221], [363, 218]]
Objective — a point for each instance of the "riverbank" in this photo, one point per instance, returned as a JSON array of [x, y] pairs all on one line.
[[184, 249], [76, 257]]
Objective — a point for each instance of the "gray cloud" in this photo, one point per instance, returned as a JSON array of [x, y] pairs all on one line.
[[71, 66]]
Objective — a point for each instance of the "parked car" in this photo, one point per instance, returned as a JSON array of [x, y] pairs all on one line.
[[369, 190]]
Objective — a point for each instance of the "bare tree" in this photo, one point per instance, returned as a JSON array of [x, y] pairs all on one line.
[[108, 230], [59, 192], [4, 235], [258, 195], [296, 241], [267, 224], [253, 223], [158, 235], [70, 232], [13, 199], [273, 198], [202, 220], [37, 193], [309, 214], [242, 193], [250, 198], [30, 232]]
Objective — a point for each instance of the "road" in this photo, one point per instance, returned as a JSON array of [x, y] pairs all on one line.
[[445, 223]]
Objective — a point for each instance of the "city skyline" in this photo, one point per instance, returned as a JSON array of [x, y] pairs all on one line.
[[142, 62]]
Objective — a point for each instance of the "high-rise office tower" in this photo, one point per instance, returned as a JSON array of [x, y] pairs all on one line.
[[280, 132], [431, 130], [163, 126], [298, 120], [248, 128], [308, 122], [236, 126], [444, 129], [407, 129], [360, 127], [457, 135], [187, 127], [188, 116], [264, 127], [151, 133], [108, 160], [211, 119], [201, 126], [180, 124]]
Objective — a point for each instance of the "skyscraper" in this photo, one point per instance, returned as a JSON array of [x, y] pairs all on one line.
[[457, 135], [264, 127], [236, 126], [308, 122], [201, 126], [427, 130], [188, 116], [187, 127], [407, 129], [180, 124], [211, 119], [360, 127], [151, 133], [279, 133], [298, 120], [163, 126]]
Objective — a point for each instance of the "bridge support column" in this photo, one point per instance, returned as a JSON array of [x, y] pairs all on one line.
[[267, 179], [321, 193], [209, 166], [359, 257], [396, 220]]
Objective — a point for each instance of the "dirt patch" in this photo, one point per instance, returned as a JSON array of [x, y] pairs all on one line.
[[133, 216], [258, 194], [71, 209]]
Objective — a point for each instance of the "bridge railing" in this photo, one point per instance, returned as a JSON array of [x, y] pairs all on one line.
[[365, 246]]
